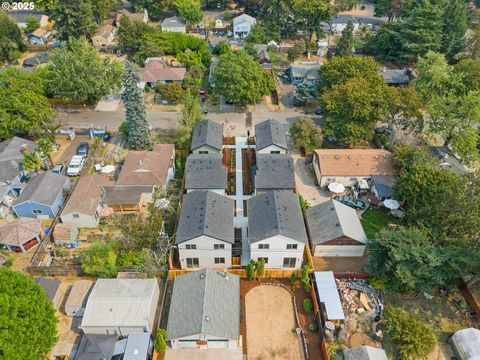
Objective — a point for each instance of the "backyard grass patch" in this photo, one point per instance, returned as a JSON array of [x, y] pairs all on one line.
[[375, 220]]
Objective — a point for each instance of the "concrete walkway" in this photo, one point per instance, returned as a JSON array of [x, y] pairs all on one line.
[[241, 221]]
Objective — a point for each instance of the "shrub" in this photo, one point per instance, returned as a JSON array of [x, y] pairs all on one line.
[[307, 305], [293, 278], [160, 343], [313, 327], [250, 270]]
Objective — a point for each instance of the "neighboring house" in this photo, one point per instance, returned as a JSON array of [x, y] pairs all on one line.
[[339, 22], [21, 234], [364, 352], [305, 71], [105, 36], [83, 206], [51, 288], [65, 234], [328, 297], [276, 230], [382, 186], [120, 198], [348, 166], [335, 230], [397, 77], [40, 37], [12, 175], [140, 16], [121, 307], [205, 231], [273, 172], [77, 298], [95, 347], [205, 172], [264, 57], [21, 16], [138, 347], [174, 24], [207, 137], [43, 196], [155, 72], [205, 311], [447, 159], [270, 138], [242, 25]]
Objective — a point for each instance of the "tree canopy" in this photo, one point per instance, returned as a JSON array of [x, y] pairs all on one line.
[[306, 135], [190, 10], [24, 110], [240, 79], [100, 259], [311, 14], [27, 317], [74, 19], [11, 40], [345, 44], [130, 33], [79, 73]]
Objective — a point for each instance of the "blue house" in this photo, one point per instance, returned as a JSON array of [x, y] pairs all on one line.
[[301, 72], [43, 196]]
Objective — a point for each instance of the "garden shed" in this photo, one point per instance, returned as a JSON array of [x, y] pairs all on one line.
[[466, 343], [77, 299], [51, 288], [65, 234]]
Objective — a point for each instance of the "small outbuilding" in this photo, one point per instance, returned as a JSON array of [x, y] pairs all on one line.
[[96, 347], [466, 344], [65, 234], [51, 288], [21, 234], [328, 296], [77, 299], [364, 353], [382, 186], [174, 24]]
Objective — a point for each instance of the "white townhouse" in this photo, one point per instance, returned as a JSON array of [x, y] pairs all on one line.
[[270, 138], [205, 172], [207, 138]]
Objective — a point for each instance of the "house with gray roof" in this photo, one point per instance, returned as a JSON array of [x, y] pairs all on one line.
[[207, 137], [205, 311], [335, 230], [364, 353], [174, 24], [397, 77], [12, 175], [52, 290], [276, 230], [273, 172], [205, 231], [446, 159], [339, 22], [270, 138], [242, 25], [96, 347], [306, 71], [205, 172], [43, 196]]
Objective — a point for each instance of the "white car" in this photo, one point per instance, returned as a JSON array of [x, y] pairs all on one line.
[[75, 165]]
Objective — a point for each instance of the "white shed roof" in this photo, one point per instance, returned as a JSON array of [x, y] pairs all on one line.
[[328, 294], [467, 343]]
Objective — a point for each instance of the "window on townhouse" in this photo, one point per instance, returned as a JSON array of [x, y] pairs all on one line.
[[264, 246], [289, 262], [275, 152], [219, 246], [292, 246], [264, 259], [219, 260], [192, 263], [191, 246]]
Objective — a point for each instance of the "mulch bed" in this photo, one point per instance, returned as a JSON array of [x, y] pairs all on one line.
[[248, 160]]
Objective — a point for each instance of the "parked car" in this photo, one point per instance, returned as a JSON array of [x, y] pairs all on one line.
[[82, 149], [355, 203], [59, 169], [75, 165]]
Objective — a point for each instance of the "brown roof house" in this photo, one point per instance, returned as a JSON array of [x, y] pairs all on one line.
[[104, 36], [141, 173], [348, 166], [83, 207], [65, 234], [40, 36], [21, 234], [155, 71]]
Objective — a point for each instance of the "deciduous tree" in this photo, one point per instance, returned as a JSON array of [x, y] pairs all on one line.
[[11, 40], [311, 14], [74, 19], [32, 24], [138, 131], [172, 92], [27, 317], [306, 135], [79, 73], [190, 10], [130, 33], [100, 260]]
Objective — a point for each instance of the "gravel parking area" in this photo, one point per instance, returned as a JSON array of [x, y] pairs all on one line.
[[269, 335]]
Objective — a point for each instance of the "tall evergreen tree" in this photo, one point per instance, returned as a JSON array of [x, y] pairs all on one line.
[[454, 28], [138, 132], [74, 18], [345, 44]]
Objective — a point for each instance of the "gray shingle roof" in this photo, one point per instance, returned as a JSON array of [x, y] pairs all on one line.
[[307, 72], [205, 302], [274, 171], [205, 171], [11, 157], [384, 185], [50, 286], [270, 132], [345, 18], [96, 347], [275, 213], [396, 76], [43, 188], [447, 159], [207, 132], [364, 353], [173, 21], [124, 194], [206, 213], [330, 220]]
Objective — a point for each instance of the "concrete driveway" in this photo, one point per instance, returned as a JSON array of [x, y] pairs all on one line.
[[305, 181]]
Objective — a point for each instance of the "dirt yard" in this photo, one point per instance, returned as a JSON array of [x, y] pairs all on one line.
[[270, 336]]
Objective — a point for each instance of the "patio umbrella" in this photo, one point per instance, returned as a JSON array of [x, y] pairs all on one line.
[[336, 188], [391, 204], [107, 169]]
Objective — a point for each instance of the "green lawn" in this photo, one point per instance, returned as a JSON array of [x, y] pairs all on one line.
[[374, 220]]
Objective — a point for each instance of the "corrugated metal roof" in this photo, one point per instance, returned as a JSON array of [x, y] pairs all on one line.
[[328, 294]]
